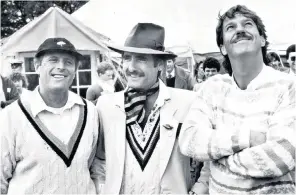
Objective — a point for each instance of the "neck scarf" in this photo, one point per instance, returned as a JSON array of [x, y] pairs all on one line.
[[134, 103]]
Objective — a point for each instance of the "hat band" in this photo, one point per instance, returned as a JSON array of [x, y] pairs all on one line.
[[149, 44]]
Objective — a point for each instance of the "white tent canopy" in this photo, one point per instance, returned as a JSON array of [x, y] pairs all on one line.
[[187, 22]]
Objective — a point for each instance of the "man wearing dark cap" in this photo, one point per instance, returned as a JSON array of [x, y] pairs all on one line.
[[141, 124], [51, 147]]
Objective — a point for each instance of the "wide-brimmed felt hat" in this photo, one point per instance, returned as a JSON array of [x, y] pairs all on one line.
[[58, 45], [145, 38]]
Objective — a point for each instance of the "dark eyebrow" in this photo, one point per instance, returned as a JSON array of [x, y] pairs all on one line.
[[228, 24], [141, 57]]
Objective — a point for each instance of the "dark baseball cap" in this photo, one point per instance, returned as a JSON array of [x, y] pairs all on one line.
[[58, 45]]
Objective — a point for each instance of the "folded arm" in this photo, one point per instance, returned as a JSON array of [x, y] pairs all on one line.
[[275, 157], [199, 138]]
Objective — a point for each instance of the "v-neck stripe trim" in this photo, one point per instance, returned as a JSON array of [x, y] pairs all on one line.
[[65, 151]]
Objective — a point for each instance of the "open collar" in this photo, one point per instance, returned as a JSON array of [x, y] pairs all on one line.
[[39, 104], [260, 79], [163, 96]]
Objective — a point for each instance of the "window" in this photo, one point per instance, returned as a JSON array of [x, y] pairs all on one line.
[[30, 73], [83, 77]]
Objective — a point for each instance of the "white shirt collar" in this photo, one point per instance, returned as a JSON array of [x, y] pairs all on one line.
[[172, 73], [259, 79], [39, 105], [163, 95]]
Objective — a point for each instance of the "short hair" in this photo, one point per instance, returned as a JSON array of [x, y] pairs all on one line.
[[16, 76], [271, 55], [290, 49], [211, 62], [103, 67], [243, 10]]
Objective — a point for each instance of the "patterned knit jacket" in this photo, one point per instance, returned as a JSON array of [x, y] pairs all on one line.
[[218, 126]]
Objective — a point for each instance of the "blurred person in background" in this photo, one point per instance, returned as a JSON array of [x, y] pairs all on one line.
[[291, 55], [199, 73], [20, 81], [211, 67], [105, 83], [8, 92], [177, 77], [274, 60], [16, 65]]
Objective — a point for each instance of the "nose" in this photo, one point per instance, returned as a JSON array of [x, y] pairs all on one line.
[[60, 64], [131, 64]]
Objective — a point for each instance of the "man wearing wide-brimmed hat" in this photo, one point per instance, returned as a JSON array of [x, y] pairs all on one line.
[[141, 124], [49, 136]]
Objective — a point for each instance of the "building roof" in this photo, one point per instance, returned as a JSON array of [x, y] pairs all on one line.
[[54, 23]]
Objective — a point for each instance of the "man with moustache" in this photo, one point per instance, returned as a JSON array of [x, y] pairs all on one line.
[[49, 136], [141, 124], [244, 122]]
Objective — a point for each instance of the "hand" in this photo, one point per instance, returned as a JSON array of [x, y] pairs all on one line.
[[257, 138]]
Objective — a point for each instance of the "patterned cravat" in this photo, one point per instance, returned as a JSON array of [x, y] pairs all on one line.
[[134, 103]]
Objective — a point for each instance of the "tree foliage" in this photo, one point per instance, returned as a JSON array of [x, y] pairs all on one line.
[[16, 14]]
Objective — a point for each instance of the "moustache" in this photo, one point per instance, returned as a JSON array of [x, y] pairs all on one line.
[[135, 72], [240, 36]]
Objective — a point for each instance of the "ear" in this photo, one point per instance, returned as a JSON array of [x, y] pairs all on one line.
[[223, 50], [160, 65], [37, 66], [263, 41]]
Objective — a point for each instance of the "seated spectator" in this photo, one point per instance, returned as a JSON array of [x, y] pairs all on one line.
[[211, 67], [8, 92], [20, 81], [105, 83]]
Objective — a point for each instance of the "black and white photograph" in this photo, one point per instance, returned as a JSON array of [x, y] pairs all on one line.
[[148, 97]]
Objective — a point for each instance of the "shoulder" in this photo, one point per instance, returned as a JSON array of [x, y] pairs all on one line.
[[181, 96], [95, 88], [277, 77], [10, 115], [110, 99], [215, 85]]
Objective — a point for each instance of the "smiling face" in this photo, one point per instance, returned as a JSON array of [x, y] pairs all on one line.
[[56, 71], [140, 70], [108, 75], [209, 72], [241, 36]]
